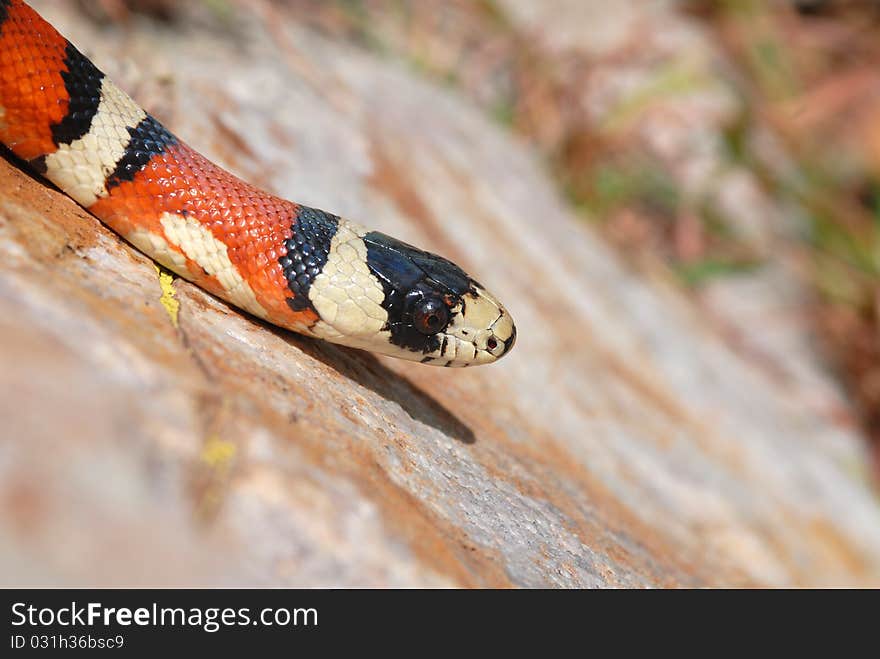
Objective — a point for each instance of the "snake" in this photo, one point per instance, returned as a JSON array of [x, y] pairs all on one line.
[[300, 268]]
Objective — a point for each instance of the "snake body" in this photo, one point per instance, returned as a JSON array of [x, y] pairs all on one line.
[[297, 267]]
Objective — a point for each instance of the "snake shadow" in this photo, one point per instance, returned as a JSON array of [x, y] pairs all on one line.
[[369, 372], [362, 367]]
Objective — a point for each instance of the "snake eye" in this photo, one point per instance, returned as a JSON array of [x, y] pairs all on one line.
[[430, 316]]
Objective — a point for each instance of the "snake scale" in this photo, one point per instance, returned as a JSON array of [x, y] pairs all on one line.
[[297, 267]]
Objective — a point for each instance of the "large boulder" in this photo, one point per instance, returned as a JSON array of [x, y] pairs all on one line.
[[621, 443]]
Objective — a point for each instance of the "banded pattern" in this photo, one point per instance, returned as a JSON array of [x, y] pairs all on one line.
[[297, 267]]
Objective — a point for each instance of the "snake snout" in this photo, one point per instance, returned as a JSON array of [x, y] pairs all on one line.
[[504, 333], [482, 331]]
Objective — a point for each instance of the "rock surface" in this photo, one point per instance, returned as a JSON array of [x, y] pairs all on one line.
[[622, 443]]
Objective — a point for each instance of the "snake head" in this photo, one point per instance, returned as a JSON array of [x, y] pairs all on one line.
[[380, 294], [436, 312]]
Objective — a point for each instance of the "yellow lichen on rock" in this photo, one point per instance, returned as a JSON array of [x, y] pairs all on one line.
[[218, 453], [168, 299]]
